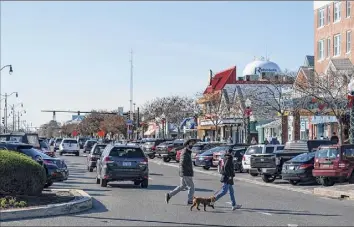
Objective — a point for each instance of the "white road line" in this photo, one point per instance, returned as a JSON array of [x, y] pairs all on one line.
[[293, 225], [228, 202], [265, 213], [150, 178]]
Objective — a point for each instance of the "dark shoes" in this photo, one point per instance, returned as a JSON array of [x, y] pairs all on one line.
[[168, 197], [190, 202]]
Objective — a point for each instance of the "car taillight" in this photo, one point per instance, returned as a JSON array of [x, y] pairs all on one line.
[[144, 162], [169, 149], [108, 159], [153, 148], [243, 158], [305, 166]]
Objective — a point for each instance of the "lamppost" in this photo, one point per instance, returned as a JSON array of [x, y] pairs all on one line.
[[5, 109], [19, 115], [248, 112], [10, 72], [350, 105], [163, 120]]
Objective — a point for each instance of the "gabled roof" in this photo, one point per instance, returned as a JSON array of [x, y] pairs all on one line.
[[220, 79], [309, 61]]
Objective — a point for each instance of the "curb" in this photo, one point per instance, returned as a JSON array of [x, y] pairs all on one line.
[[332, 193], [82, 202], [304, 191]]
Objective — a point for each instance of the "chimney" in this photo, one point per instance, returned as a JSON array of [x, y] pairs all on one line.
[[210, 76]]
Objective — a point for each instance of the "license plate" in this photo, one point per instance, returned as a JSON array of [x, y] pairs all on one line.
[[325, 166], [291, 167], [127, 163]]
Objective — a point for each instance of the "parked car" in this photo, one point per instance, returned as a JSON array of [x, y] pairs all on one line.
[[81, 141], [123, 163], [69, 146], [167, 150], [149, 147], [270, 165], [258, 149], [45, 148], [217, 155], [205, 159], [88, 145], [57, 143], [200, 147], [334, 164], [237, 153], [56, 169], [94, 154], [21, 137], [299, 169], [51, 142]]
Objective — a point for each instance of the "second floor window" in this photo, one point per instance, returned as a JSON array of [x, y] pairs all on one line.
[[348, 8], [349, 41], [320, 51], [320, 17], [336, 11], [328, 14], [336, 45]]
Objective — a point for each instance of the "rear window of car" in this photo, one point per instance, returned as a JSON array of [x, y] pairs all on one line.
[[91, 142], [70, 141], [126, 152], [99, 149], [329, 153], [58, 140], [254, 150], [44, 145], [33, 140], [304, 157], [150, 143], [29, 151]]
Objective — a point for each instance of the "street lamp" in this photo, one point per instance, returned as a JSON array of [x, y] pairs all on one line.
[[10, 72], [248, 111], [350, 105], [163, 120]]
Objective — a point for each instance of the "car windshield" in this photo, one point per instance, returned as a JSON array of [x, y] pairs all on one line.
[[328, 153], [254, 150], [304, 157], [58, 140], [150, 143], [126, 152], [70, 141], [44, 145], [98, 149], [212, 150]]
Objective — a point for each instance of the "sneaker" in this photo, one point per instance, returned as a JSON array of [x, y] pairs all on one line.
[[168, 197], [236, 207], [190, 202]]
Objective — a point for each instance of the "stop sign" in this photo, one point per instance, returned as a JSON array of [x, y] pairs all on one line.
[[75, 133]]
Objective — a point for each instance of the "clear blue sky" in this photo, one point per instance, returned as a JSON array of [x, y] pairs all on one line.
[[75, 55]]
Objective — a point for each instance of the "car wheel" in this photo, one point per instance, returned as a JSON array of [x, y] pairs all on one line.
[[166, 159], [177, 161], [145, 183], [77, 154], [104, 183], [206, 167], [351, 179], [61, 153], [268, 178], [84, 151], [253, 174], [241, 169], [91, 169], [151, 156], [48, 184], [98, 181], [293, 182], [194, 164], [327, 182], [136, 183]]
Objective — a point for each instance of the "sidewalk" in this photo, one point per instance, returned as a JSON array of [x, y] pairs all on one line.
[[338, 192]]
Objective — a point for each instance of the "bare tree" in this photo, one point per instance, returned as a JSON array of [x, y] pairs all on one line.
[[50, 129], [326, 94]]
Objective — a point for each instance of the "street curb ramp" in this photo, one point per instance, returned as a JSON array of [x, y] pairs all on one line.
[[82, 202], [337, 193]]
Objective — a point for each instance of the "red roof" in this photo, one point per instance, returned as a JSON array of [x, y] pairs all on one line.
[[220, 79]]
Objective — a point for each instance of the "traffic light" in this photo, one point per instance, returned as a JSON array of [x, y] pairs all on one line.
[[3, 120]]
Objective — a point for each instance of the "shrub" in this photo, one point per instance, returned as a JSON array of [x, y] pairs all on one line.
[[20, 175], [11, 202]]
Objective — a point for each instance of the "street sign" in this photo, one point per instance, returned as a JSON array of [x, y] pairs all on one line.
[[120, 111], [130, 131], [129, 122]]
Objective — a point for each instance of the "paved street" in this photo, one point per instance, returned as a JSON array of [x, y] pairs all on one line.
[[127, 205]]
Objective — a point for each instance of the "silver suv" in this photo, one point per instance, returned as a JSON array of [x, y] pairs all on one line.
[[123, 163]]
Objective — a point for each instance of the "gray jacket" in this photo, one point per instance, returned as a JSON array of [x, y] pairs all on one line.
[[186, 164]]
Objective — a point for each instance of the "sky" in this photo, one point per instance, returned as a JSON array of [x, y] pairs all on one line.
[[76, 55]]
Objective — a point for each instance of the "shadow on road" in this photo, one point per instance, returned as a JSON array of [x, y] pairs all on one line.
[[151, 221], [155, 174], [78, 182]]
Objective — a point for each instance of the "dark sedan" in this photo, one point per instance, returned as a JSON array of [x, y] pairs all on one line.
[[205, 159], [89, 144], [299, 168], [56, 169]]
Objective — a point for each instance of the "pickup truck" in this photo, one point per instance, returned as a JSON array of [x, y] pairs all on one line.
[[167, 150], [270, 165]]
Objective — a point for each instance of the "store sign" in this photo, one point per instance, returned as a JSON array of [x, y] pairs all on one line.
[[264, 70]]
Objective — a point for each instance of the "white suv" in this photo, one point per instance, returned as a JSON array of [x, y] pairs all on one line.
[[69, 146]]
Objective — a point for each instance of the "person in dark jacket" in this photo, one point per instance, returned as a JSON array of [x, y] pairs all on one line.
[[185, 172], [227, 180]]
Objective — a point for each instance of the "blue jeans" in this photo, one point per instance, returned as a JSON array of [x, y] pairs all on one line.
[[226, 187]]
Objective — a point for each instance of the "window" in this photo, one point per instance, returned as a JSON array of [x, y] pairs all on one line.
[[320, 17], [336, 45], [125, 152], [348, 9], [328, 14], [349, 153], [269, 150], [349, 41], [320, 50], [329, 47], [336, 11], [280, 148]]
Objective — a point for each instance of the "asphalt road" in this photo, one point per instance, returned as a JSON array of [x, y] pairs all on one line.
[[122, 204]]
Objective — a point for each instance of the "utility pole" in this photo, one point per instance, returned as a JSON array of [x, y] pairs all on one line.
[[13, 118], [130, 128], [18, 120], [5, 113]]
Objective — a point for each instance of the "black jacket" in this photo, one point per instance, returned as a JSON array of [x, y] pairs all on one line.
[[228, 173], [185, 163]]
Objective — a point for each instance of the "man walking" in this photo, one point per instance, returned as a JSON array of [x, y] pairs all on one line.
[[227, 179], [185, 173]]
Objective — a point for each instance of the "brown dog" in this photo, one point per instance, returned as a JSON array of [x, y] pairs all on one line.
[[205, 201]]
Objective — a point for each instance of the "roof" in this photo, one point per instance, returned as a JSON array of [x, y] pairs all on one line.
[[342, 64], [309, 61], [220, 79]]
